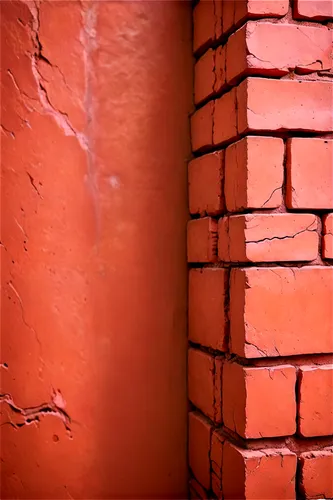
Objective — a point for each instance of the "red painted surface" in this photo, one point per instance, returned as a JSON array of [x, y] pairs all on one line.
[[95, 139]]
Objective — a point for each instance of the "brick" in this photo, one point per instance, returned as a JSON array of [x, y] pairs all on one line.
[[225, 118], [209, 74], [205, 176], [204, 76], [309, 173], [270, 49], [199, 448], [216, 463], [250, 396], [254, 173], [328, 236], [314, 9], [207, 316], [276, 311], [204, 383], [266, 474], [316, 403], [203, 25], [202, 127], [268, 238], [202, 240], [277, 105], [249, 9], [197, 492], [228, 15], [316, 474]]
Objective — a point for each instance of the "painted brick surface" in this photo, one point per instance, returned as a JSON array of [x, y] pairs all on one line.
[[316, 402], [254, 173], [273, 314], [309, 174], [328, 236], [268, 238], [263, 48], [251, 399], [205, 177], [202, 240], [258, 474], [316, 473], [261, 292], [207, 307], [321, 10], [199, 446]]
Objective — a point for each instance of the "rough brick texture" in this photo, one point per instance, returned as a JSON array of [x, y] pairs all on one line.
[[205, 176], [207, 307], [328, 236], [261, 249], [250, 396], [315, 401], [263, 48], [316, 474], [273, 314], [254, 173], [268, 238], [309, 174], [266, 474]]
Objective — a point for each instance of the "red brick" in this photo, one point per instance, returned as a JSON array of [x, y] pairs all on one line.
[[277, 105], [254, 173], [204, 76], [316, 474], [228, 15], [207, 317], [250, 396], [202, 240], [197, 492], [209, 74], [328, 236], [225, 118], [202, 127], [249, 9], [204, 383], [268, 49], [266, 474], [316, 403], [216, 463], [281, 311], [199, 448], [314, 9], [203, 25], [309, 173], [268, 238], [220, 75], [205, 175]]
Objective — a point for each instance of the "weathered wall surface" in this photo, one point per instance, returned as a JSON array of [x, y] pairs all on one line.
[[95, 140], [260, 250]]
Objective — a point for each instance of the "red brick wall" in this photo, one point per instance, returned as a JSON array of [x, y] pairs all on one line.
[[260, 249]]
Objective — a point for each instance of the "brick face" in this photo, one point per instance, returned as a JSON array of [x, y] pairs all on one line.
[[263, 48], [310, 174], [316, 402], [207, 315], [316, 474], [260, 249], [273, 314], [268, 238], [254, 173], [249, 400]]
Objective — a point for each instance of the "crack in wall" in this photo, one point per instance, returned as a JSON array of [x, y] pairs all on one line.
[[307, 229], [32, 415]]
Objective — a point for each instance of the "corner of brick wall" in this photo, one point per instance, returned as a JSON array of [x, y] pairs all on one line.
[[260, 251]]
